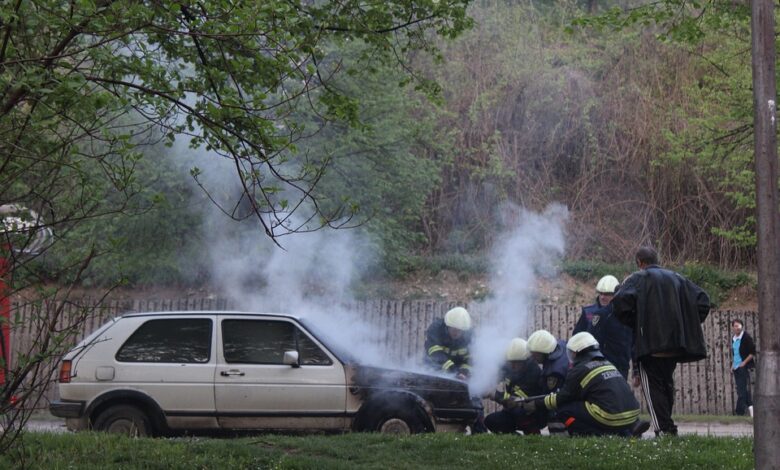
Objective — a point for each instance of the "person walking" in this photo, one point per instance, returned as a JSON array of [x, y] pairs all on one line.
[[744, 353], [615, 339], [665, 311]]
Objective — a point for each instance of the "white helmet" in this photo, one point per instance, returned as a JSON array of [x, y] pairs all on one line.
[[542, 341], [518, 350], [579, 342], [458, 318], [607, 285]]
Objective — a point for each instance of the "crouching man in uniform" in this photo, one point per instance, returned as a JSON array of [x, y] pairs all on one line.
[[447, 344], [522, 379], [595, 399]]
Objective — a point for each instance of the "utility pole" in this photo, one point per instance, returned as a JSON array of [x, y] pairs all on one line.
[[766, 427]]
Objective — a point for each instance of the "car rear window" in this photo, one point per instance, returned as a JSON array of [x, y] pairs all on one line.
[[186, 340], [265, 341]]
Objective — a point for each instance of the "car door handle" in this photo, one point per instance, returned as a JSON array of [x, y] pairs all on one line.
[[226, 373]]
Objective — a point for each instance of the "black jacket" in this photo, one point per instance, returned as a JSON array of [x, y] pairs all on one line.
[[615, 339], [444, 353], [520, 384], [746, 348], [555, 368], [665, 311], [607, 396]]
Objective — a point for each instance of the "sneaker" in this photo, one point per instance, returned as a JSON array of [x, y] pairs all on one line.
[[639, 428]]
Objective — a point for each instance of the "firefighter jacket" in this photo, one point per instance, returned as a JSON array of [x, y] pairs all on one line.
[[444, 353], [555, 368], [595, 381], [665, 311], [615, 339], [520, 384]]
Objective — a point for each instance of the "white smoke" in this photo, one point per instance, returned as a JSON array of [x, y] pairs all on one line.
[[530, 246], [312, 274]]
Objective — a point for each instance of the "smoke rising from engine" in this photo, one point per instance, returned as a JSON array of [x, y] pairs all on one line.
[[530, 245]]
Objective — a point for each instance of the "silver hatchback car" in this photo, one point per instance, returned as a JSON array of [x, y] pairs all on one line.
[[174, 372]]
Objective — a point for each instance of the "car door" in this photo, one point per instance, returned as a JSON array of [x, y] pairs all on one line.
[[168, 358], [255, 390]]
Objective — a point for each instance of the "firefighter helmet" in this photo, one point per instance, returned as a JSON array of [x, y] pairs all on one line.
[[518, 350], [458, 318], [607, 285], [582, 341], [542, 341]]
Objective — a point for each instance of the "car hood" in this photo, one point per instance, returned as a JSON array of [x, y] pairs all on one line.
[[441, 392]]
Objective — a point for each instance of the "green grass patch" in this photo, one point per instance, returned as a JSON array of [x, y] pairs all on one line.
[[369, 451], [716, 282]]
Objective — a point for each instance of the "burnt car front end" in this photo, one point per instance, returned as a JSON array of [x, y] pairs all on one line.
[[440, 403]]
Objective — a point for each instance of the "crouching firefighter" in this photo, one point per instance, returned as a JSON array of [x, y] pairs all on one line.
[[595, 399], [521, 379], [447, 343]]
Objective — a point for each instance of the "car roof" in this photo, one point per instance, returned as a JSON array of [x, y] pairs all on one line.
[[207, 312]]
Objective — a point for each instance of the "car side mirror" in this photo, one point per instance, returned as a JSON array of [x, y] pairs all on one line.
[[291, 359]]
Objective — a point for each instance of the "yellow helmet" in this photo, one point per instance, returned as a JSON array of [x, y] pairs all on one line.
[[542, 341], [458, 318], [518, 350]]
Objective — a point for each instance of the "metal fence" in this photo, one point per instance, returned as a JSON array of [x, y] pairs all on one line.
[[704, 387]]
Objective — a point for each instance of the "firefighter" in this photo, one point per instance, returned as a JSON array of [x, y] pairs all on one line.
[[551, 355], [595, 400], [447, 343], [615, 339], [521, 379]]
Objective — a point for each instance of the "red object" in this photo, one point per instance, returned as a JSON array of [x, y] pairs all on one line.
[[569, 421], [65, 369]]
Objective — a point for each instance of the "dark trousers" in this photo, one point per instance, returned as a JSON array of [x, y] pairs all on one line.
[[514, 419], [742, 381], [580, 423], [657, 376]]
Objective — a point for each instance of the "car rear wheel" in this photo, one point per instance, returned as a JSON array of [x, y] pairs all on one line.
[[124, 419]]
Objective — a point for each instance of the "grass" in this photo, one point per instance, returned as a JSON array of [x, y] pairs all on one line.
[[372, 451]]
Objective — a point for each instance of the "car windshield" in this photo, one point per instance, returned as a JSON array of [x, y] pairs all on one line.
[[341, 352]]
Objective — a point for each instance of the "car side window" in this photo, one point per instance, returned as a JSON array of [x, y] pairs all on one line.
[[310, 353], [265, 341], [185, 340]]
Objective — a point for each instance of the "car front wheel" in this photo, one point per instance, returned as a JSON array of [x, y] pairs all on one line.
[[400, 422], [124, 419]]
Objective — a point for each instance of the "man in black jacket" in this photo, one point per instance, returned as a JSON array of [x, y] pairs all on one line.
[[665, 310], [521, 379], [744, 353], [447, 343]]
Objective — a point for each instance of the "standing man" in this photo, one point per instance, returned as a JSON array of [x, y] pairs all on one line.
[[744, 351], [614, 338], [447, 343], [665, 310]]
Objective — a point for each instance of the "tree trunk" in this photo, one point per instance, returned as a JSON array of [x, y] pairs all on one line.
[[767, 409]]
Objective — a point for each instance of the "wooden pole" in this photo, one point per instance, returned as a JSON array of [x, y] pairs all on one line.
[[766, 429]]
